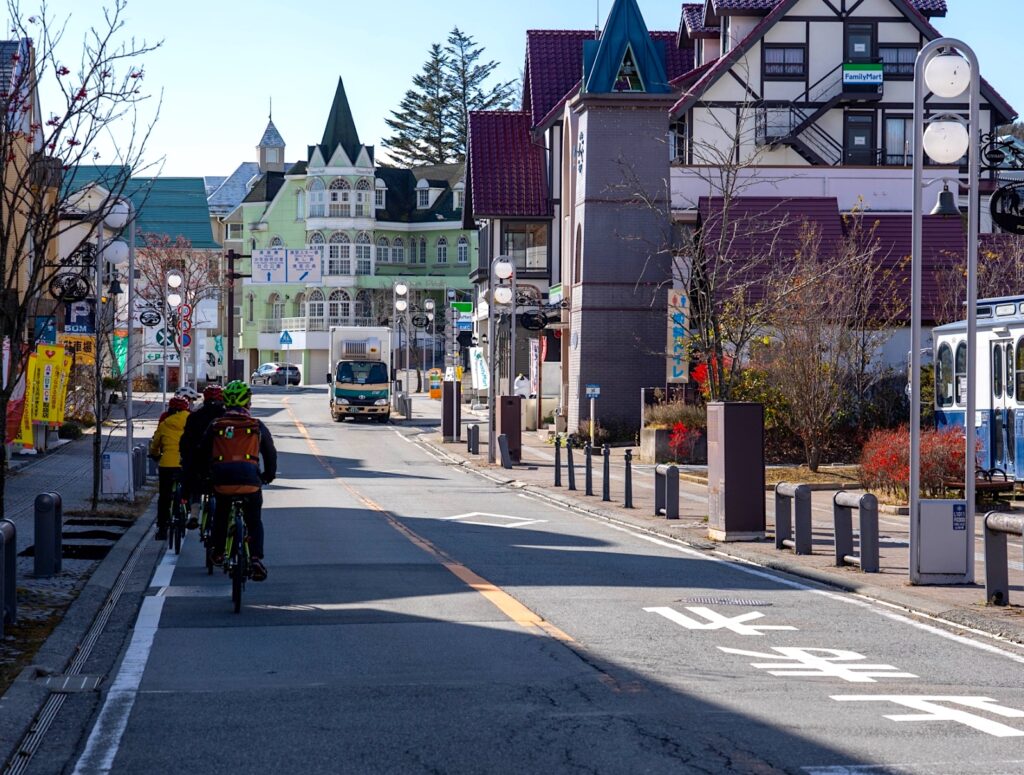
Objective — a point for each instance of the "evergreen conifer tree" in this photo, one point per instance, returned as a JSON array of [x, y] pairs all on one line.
[[466, 85], [420, 124]]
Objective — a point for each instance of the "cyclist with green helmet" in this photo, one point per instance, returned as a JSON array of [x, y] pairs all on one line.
[[230, 451]]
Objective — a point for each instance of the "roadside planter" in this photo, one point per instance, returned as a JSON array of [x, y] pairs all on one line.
[[654, 446]]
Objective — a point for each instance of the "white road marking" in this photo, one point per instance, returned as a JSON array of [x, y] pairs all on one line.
[[105, 738], [803, 662], [512, 522], [164, 571], [960, 767], [716, 621], [931, 710]]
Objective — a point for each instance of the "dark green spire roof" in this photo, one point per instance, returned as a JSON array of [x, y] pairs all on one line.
[[341, 128]]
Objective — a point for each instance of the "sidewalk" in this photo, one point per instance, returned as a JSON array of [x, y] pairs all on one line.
[[963, 605]]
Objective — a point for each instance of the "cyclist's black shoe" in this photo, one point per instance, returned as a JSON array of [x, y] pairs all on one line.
[[192, 523], [259, 570], [161, 534]]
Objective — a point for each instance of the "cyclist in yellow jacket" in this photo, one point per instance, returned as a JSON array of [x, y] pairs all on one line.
[[164, 448]]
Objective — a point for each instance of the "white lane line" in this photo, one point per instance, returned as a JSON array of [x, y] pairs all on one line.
[[105, 738], [164, 571]]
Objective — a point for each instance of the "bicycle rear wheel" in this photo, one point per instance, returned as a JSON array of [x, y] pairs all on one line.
[[239, 568]]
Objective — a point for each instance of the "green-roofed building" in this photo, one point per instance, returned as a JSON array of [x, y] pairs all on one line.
[[372, 224]]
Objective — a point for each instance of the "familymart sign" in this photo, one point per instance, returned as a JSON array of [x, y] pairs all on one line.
[[867, 74]]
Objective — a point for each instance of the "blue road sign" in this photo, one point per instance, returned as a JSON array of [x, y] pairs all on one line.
[[593, 391], [286, 338]]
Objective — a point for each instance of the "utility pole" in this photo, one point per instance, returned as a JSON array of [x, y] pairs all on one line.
[[232, 275]]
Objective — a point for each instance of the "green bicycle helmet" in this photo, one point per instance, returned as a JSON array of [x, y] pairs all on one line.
[[237, 394]]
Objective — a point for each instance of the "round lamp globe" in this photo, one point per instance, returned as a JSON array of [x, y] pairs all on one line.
[[945, 142], [948, 75]]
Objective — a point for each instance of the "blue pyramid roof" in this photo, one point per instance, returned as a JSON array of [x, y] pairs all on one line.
[[625, 34]]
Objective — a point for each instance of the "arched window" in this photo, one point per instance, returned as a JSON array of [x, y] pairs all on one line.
[[398, 251], [364, 309], [315, 239], [339, 203], [275, 306], [317, 198], [423, 250], [275, 242], [300, 304], [362, 198], [960, 373], [339, 307], [463, 250], [315, 305], [339, 256], [364, 254], [442, 250], [382, 251], [944, 377]]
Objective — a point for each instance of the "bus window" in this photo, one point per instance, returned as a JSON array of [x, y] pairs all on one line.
[[997, 372], [1020, 370], [944, 377], [1010, 381], [960, 373]]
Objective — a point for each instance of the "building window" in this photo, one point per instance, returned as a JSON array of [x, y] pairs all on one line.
[[364, 255], [300, 205], [678, 140], [577, 264], [899, 141], [362, 196], [300, 304], [339, 258], [272, 156], [897, 61], [423, 250], [339, 202], [317, 198], [726, 35], [315, 305], [442, 251], [382, 251], [463, 250], [527, 243], [378, 198], [250, 308], [234, 231], [398, 251], [275, 242], [785, 61], [339, 307], [457, 200], [422, 198], [628, 78]]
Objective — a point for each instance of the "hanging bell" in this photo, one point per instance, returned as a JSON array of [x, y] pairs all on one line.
[[946, 206]]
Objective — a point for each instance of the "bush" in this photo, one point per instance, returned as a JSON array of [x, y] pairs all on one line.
[[671, 414], [69, 430], [607, 432], [683, 441], [885, 461]]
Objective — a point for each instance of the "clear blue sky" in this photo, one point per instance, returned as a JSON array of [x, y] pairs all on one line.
[[223, 59]]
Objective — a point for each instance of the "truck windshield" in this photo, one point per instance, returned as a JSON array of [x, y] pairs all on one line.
[[362, 372]]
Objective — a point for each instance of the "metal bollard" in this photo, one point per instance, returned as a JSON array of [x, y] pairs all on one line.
[[628, 501], [506, 458], [8, 573], [473, 439], [588, 468], [997, 575], [48, 523], [666, 491], [571, 470], [558, 461], [606, 485], [800, 495], [843, 504]]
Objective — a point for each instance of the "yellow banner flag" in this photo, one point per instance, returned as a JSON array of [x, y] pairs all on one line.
[[24, 438], [47, 377], [62, 397]]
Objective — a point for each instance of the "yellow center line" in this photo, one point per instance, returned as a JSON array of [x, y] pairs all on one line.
[[504, 602]]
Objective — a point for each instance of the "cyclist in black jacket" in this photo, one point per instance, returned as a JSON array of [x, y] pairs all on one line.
[[195, 427]]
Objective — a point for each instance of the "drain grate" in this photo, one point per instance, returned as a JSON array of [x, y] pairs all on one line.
[[726, 601], [71, 684]]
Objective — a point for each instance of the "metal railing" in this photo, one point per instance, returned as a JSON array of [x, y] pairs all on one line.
[[997, 574]]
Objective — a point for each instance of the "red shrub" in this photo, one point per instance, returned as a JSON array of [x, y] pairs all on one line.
[[885, 460], [682, 441]]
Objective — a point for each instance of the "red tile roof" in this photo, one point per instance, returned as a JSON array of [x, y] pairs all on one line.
[[554, 65], [506, 168], [693, 25]]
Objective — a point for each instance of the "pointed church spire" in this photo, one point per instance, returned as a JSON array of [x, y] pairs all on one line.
[[271, 148], [625, 58], [340, 128]]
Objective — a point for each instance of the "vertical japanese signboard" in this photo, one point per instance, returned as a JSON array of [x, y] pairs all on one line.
[[678, 363]]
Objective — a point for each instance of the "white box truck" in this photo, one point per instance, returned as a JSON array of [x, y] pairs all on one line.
[[360, 380]]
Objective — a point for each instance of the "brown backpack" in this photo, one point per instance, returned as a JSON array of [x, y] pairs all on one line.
[[236, 445]]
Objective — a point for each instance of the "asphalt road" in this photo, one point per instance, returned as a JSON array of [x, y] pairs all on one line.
[[419, 618]]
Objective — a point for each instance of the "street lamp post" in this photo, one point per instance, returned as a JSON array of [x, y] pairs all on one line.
[[172, 280], [502, 270], [428, 305], [400, 295], [947, 68]]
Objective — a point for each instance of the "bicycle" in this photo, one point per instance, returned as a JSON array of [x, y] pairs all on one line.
[[180, 509], [237, 563], [206, 506]]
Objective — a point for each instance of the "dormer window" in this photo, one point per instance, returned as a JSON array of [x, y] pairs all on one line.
[[457, 200], [272, 155], [378, 198], [628, 78], [422, 198]]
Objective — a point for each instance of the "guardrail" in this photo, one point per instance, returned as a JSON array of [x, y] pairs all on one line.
[[843, 504], [789, 498], [666, 491], [997, 574]]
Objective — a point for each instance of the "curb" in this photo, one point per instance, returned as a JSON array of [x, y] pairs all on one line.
[[22, 702], [962, 617]]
